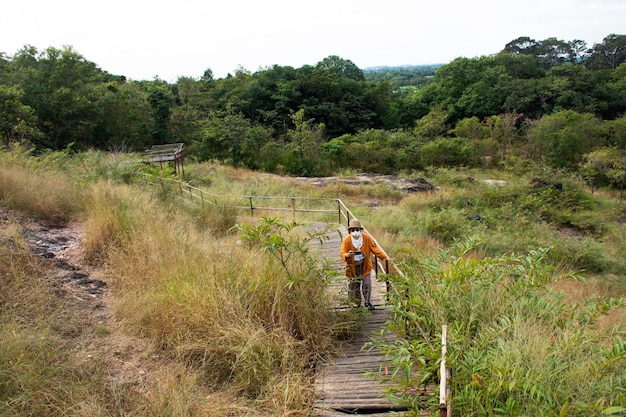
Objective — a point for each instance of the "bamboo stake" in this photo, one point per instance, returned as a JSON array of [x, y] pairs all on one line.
[[443, 373]]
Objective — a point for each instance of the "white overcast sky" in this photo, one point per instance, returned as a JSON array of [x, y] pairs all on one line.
[[144, 39]]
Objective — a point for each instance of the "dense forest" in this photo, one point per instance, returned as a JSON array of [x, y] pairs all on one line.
[[551, 101]]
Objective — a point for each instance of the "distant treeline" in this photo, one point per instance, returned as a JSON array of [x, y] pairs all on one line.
[[549, 100], [403, 76]]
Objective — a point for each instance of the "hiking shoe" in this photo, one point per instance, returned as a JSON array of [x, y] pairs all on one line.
[[370, 307]]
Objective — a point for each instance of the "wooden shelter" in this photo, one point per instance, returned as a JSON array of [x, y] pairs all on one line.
[[166, 153]]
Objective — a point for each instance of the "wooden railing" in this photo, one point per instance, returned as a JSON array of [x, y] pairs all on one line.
[[258, 204], [332, 206]]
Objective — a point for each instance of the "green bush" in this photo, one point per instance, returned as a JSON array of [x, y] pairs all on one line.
[[455, 152], [515, 347], [585, 254], [447, 225]]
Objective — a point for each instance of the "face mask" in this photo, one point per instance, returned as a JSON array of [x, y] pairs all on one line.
[[356, 234]]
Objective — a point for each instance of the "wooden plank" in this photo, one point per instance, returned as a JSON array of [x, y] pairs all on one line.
[[342, 384], [166, 152], [354, 381]]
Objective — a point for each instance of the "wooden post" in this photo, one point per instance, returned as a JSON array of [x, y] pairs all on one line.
[[387, 282], [251, 207], [376, 265], [443, 403], [339, 210]]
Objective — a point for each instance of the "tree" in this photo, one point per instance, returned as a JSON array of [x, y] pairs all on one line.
[[408, 106], [523, 45], [605, 165], [552, 52], [341, 67], [186, 115], [304, 148], [471, 128], [617, 173], [450, 82], [575, 87], [125, 119], [609, 54], [594, 167], [433, 125], [271, 96], [564, 137], [519, 66], [230, 137], [62, 88], [334, 152], [616, 93], [549, 52], [617, 132], [226, 93], [18, 122], [161, 100], [334, 93], [503, 130], [486, 96], [207, 76], [221, 137]]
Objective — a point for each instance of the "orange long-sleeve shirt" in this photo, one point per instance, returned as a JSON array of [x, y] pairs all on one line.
[[369, 246]]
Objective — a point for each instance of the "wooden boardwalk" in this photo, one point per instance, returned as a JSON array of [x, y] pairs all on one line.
[[343, 385]]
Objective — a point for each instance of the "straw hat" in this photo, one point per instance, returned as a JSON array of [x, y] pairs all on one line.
[[355, 224]]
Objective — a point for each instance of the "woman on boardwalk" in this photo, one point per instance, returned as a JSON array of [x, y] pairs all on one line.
[[356, 250]]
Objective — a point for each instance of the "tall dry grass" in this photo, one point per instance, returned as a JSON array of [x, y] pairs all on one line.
[[237, 335], [218, 309], [46, 195], [39, 371], [218, 306]]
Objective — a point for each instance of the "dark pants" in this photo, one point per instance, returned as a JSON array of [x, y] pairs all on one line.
[[360, 286]]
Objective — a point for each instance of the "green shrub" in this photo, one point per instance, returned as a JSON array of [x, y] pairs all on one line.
[[515, 347], [447, 225], [448, 152], [583, 254]]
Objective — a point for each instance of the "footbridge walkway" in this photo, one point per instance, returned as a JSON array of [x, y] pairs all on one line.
[[346, 384]]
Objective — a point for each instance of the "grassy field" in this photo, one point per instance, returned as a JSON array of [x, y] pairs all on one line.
[[529, 275]]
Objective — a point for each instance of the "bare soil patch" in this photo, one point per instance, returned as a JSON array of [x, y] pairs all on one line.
[[84, 300]]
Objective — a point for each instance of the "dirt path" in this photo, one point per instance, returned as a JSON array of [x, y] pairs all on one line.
[[86, 316]]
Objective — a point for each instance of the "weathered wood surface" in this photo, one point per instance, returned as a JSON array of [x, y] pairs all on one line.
[[346, 384], [167, 152]]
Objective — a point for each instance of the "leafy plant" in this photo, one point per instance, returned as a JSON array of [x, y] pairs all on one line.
[[447, 226], [301, 299], [515, 347], [275, 237]]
